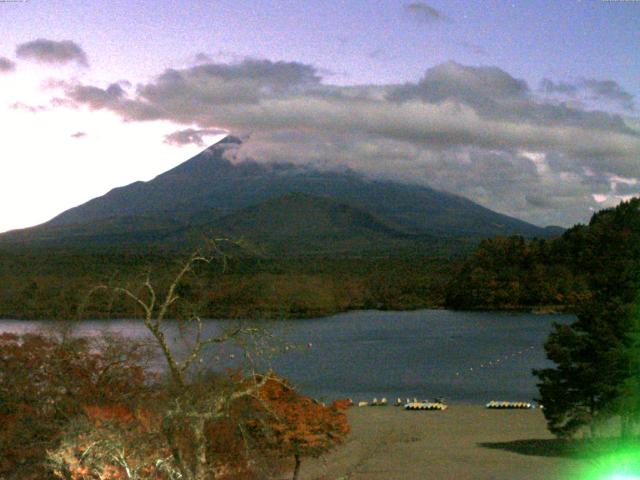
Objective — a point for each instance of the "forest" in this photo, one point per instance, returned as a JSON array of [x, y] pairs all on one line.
[[501, 273], [53, 285], [556, 274]]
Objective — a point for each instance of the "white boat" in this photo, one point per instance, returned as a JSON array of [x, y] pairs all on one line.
[[425, 406]]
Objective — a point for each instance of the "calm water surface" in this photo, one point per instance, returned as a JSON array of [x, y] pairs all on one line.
[[462, 356]]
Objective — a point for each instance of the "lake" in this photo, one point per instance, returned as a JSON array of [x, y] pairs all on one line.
[[462, 356]]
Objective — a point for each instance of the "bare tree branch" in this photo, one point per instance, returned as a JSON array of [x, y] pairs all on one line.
[[193, 406]]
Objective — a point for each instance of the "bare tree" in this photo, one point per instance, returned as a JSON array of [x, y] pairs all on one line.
[[192, 403]]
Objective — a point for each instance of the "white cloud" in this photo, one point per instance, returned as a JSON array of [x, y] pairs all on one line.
[[476, 131]]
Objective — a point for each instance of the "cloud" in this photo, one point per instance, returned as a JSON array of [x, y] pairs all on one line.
[[376, 54], [191, 136], [6, 65], [551, 87], [504, 181], [425, 13], [542, 202], [202, 58], [95, 97], [477, 131], [609, 90], [52, 52], [590, 89], [626, 189], [28, 108], [472, 85], [244, 82]]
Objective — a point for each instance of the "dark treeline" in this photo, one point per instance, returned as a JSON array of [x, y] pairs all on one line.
[[53, 285], [511, 273], [559, 274]]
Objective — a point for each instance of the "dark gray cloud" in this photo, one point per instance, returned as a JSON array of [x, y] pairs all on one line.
[[190, 136], [495, 94], [627, 189], [6, 65], [472, 85], [113, 98], [609, 90], [52, 52], [97, 98], [376, 54], [244, 82], [477, 131], [549, 86], [542, 202], [590, 89], [78, 135], [202, 58], [425, 13]]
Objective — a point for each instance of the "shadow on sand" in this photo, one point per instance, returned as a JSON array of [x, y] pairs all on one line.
[[541, 447], [564, 448]]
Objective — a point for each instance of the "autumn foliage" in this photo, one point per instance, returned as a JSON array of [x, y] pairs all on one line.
[[45, 382], [281, 425], [109, 443], [299, 425], [74, 409]]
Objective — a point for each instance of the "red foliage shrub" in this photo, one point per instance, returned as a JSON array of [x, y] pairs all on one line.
[[45, 382]]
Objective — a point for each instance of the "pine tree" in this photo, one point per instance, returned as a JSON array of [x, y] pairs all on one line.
[[596, 356]]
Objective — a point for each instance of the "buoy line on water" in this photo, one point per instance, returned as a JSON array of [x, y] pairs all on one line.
[[502, 360], [501, 405]]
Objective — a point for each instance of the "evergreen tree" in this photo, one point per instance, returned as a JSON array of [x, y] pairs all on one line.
[[629, 401], [596, 355]]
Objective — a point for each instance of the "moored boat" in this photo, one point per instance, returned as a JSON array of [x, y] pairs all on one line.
[[425, 406]]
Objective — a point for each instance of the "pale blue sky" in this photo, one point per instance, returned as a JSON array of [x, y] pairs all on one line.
[[359, 41]]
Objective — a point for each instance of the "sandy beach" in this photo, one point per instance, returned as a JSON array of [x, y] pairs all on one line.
[[463, 442]]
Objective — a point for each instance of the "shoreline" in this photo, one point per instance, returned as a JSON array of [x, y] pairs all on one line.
[[272, 317]]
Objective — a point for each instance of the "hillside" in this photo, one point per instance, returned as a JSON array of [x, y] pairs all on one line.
[[302, 224]]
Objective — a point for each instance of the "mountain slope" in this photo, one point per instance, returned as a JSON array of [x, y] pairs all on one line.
[[206, 191], [299, 224], [292, 224]]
